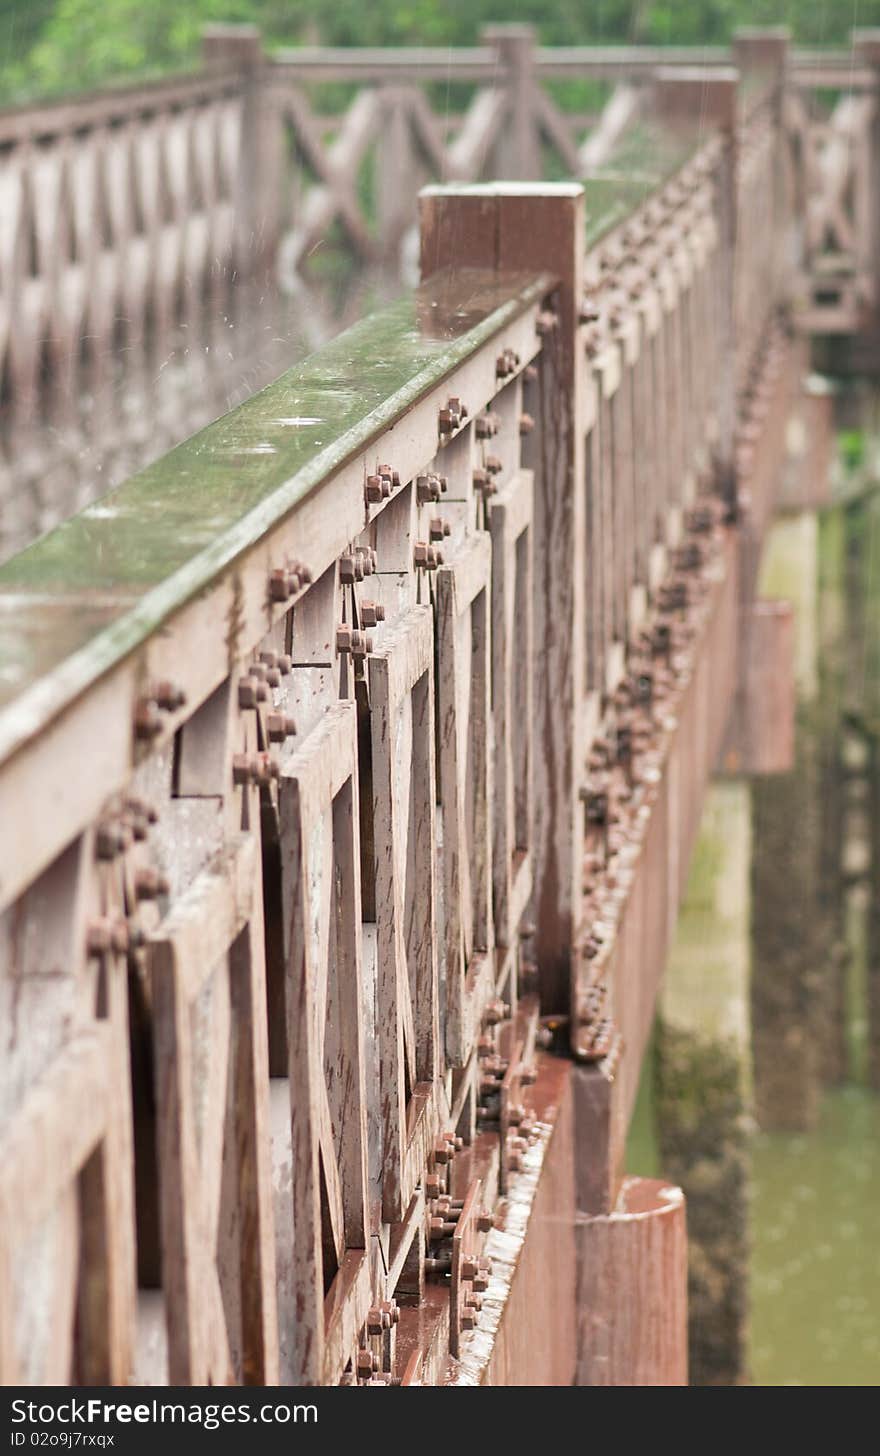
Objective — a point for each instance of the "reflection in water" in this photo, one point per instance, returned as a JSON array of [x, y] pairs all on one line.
[[816, 1253], [154, 391]]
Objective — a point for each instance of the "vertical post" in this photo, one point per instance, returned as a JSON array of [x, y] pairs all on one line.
[[541, 229], [762, 51], [762, 55], [395, 166], [519, 149], [866, 52], [692, 98], [632, 1289], [239, 48]]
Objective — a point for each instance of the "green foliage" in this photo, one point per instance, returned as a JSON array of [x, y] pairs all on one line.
[[49, 46], [852, 448]]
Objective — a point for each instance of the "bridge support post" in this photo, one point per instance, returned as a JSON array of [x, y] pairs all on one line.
[[703, 1079], [519, 157], [790, 962], [240, 48], [632, 1289], [541, 228]]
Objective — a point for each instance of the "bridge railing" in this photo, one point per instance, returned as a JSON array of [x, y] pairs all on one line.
[[125, 213], [328, 745]]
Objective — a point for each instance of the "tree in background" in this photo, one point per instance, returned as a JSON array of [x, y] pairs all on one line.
[[47, 46]]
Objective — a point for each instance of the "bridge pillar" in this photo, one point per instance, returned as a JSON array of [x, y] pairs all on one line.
[[790, 823], [703, 1083], [632, 1289], [540, 228]]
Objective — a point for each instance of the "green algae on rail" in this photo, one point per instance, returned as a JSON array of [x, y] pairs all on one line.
[[80, 598]]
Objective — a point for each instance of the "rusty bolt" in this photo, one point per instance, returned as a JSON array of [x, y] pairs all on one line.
[[99, 936], [374, 489], [588, 313], [688, 557], [700, 519], [375, 1324], [442, 1152], [242, 768], [432, 1185], [140, 826], [483, 482], [146, 810], [426, 556], [169, 697], [493, 464], [347, 570], [279, 726], [390, 478], [438, 528], [526, 424], [391, 1310], [486, 1221], [372, 613], [105, 934], [486, 425], [495, 1011], [285, 663], [109, 841], [427, 489], [147, 722], [596, 801], [367, 557], [366, 1364], [440, 1227], [265, 769], [451, 416], [149, 884], [279, 584], [269, 659]]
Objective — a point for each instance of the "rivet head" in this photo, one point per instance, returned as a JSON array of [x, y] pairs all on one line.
[[279, 584], [279, 726], [147, 722], [247, 692], [149, 884]]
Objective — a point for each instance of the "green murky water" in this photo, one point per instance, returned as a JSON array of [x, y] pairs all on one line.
[[815, 1267]]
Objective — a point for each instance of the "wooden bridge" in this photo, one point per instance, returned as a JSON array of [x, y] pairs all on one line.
[[352, 754]]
